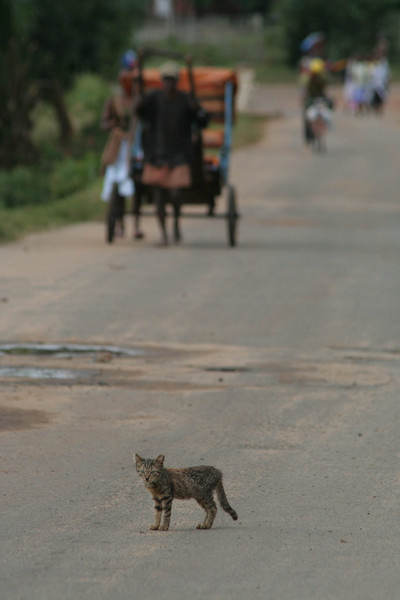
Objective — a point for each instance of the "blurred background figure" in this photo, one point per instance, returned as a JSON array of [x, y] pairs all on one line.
[[362, 73], [313, 46], [129, 60], [117, 119], [317, 81], [316, 96], [380, 77], [313, 49], [349, 87]]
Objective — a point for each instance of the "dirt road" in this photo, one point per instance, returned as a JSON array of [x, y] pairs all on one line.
[[277, 361]]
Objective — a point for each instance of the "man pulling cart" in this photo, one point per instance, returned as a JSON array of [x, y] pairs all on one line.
[[176, 160]]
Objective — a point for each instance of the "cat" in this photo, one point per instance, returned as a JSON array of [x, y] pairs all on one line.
[[193, 482]]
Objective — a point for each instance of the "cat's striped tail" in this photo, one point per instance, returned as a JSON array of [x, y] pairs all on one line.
[[223, 500]]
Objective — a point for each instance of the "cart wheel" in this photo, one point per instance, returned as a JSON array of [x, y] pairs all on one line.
[[112, 214], [231, 216]]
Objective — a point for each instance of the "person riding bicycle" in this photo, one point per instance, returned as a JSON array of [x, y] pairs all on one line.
[[315, 88]]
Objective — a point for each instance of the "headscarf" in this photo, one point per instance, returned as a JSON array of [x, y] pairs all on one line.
[[129, 60]]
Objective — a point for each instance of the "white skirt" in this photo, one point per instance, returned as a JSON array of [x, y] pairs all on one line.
[[118, 173]]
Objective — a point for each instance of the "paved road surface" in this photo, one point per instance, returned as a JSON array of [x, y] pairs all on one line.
[[277, 361]]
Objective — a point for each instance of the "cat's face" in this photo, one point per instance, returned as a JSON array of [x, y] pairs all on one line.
[[149, 469]]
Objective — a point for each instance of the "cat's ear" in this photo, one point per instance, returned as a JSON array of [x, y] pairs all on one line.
[[160, 459], [139, 460]]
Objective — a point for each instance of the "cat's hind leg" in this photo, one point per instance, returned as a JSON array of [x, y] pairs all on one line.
[[211, 510]]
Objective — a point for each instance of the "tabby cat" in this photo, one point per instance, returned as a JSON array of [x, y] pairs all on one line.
[[194, 482]]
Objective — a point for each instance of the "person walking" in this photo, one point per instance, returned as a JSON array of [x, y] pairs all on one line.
[[380, 78], [116, 118]]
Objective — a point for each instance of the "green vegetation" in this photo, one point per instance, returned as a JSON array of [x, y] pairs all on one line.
[[263, 51], [81, 206], [274, 52], [64, 168], [278, 72], [349, 26], [249, 129], [64, 187], [24, 186], [227, 6], [44, 45], [235, 50]]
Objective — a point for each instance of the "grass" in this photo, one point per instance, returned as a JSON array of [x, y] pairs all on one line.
[[277, 72], [236, 48], [395, 71], [260, 50], [81, 206], [249, 130]]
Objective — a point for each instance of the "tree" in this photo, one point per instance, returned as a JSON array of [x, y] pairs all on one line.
[[18, 93], [348, 26], [45, 44], [235, 7]]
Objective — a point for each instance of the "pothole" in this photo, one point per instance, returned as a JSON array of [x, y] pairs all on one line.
[[231, 369], [329, 374], [333, 374], [67, 350], [38, 361], [38, 373]]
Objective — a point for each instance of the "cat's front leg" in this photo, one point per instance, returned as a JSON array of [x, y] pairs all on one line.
[[157, 514], [166, 504]]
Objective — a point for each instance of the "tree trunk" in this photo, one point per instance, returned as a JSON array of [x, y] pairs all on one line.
[[57, 99], [18, 97]]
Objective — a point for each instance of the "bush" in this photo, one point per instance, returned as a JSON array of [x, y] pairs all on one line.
[[22, 186], [82, 206], [349, 26], [27, 186], [72, 175], [86, 99]]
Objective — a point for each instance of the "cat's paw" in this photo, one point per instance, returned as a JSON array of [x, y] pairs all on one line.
[[163, 527], [154, 527], [202, 526]]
